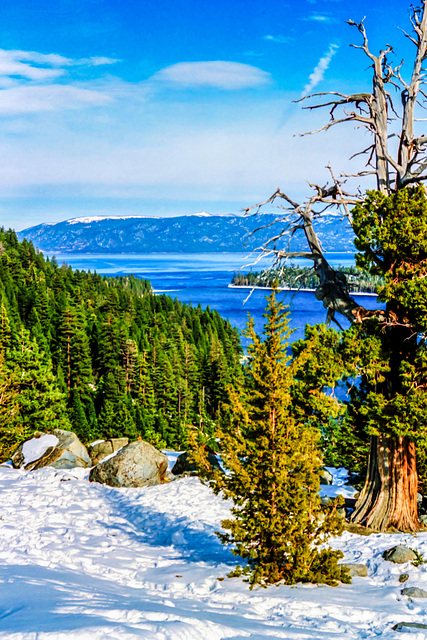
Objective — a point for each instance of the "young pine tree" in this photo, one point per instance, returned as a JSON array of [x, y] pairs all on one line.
[[273, 464]]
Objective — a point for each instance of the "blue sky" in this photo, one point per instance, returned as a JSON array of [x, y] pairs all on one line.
[[168, 107]]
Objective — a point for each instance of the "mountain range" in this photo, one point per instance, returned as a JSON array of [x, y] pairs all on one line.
[[196, 233]]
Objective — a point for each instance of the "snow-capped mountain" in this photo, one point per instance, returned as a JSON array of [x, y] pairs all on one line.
[[195, 233]]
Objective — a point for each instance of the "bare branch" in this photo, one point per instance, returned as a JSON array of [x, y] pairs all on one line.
[[349, 118]]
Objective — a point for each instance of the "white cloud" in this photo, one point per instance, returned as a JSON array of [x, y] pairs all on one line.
[[40, 67], [277, 39], [52, 59], [319, 71], [218, 74], [32, 81], [97, 61], [320, 17], [11, 65]]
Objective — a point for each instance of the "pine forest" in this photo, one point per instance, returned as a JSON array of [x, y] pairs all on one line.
[[104, 356]]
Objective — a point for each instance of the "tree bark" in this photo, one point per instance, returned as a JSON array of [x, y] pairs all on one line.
[[389, 496]]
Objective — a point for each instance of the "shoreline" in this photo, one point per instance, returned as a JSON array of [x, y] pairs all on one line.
[[296, 289]]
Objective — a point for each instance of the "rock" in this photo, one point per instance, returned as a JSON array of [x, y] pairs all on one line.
[[59, 449], [423, 520], [403, 577], [184, 465], [414, 592], [325, 476], [138, 464], [399, 554], [403, 626], [101, 450], [355, 569]]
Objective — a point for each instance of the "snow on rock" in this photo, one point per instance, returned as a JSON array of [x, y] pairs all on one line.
[[36, 447], [82, 561]]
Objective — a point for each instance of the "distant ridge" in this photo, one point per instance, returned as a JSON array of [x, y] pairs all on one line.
[[193, 233]]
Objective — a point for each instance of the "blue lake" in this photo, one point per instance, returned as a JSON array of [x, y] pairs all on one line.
[[204, 278]]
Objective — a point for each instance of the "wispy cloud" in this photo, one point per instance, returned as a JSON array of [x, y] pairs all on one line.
[[31, 99], [319, 70], [97, 61], [17, 64], [320, 17], [277, 39], [31, 81], [43, 67], [217, 74]]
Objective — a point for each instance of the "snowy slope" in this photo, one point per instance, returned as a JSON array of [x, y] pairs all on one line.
[[89, 562]]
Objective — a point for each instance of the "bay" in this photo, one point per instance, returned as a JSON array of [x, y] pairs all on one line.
[[203, 278]]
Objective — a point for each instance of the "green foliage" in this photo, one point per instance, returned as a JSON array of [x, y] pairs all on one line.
[[391, 235], [419, 558], [31, 396], [331, 360], [271, 452]]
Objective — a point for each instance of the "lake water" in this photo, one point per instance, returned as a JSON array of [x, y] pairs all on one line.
[[204, 278]]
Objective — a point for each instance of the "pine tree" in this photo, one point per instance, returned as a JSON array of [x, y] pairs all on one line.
[[11, 429], [273, 464], [77, 417], [30, 397]]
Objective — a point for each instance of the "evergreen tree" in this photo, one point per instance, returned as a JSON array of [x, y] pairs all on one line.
[[32, 398], [11, 431], [273, 462], [79, 423]]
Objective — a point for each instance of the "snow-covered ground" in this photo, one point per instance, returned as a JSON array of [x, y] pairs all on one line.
[[85, 561]]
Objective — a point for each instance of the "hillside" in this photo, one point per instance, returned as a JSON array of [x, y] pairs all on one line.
[[184, 234], [104, 355]]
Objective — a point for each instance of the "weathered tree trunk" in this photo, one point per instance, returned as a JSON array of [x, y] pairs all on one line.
[[389, 496]]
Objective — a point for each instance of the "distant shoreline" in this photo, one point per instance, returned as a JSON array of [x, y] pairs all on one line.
[[296, 289]]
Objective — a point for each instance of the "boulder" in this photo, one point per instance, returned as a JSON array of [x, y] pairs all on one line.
[[414, 592], [138, 464], [399, 554], [59, 449], [101, 450], [403, 577], [325, 476], [183, 464], [407, 626], [355, 569]]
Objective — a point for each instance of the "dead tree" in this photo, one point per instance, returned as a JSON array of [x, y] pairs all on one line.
[[388, 498]]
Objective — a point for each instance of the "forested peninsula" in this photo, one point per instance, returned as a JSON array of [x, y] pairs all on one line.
[[104, 356], [295, 277]]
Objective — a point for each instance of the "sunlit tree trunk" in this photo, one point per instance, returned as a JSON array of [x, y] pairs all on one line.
[[389, 496]]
